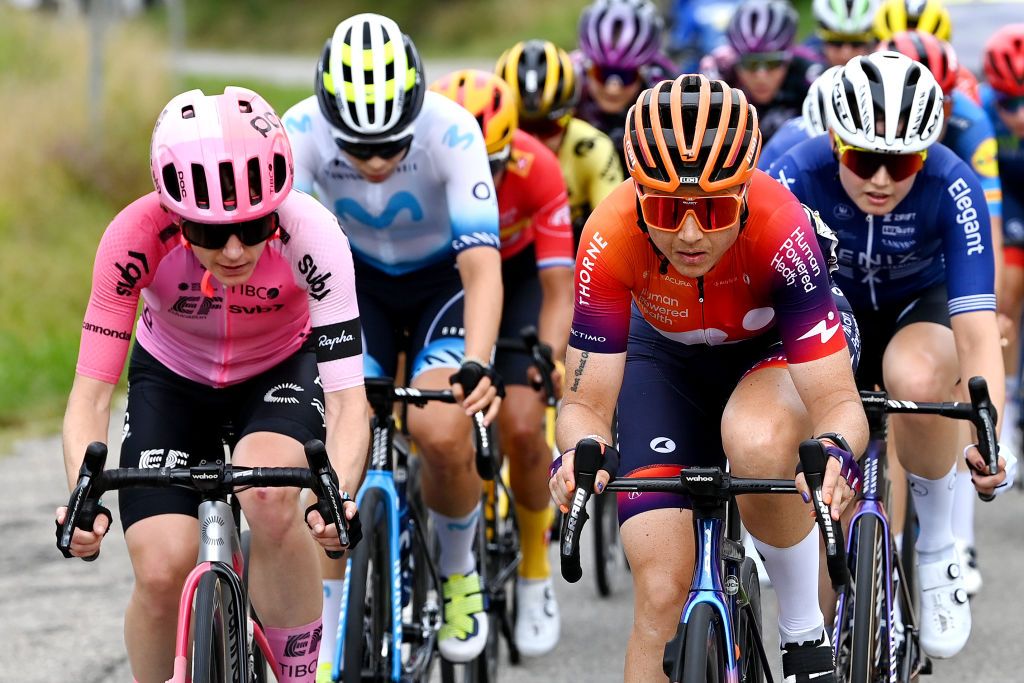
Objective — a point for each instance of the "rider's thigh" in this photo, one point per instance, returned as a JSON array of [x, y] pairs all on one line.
[[163, 550], [659, 546], [521, 423], [269, 510], [441, 430], [920, 363], [763, 443]]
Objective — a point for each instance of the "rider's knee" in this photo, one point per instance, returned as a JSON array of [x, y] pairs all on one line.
[[444, 445], [159, 579], [271, 512], [917, 380], [659, 600], [753, 444]]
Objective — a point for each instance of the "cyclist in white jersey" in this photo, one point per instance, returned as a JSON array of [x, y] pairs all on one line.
[[406, 173]]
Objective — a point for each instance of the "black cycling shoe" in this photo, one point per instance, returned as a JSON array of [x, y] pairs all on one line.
[[808, 662]]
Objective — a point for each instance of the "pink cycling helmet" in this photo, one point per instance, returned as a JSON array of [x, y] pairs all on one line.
[[220, 158]]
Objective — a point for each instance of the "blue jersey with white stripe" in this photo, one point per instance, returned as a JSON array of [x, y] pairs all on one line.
[[939, 233], [789, 135]]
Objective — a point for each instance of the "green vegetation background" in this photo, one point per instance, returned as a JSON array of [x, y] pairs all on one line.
[[64, 181]]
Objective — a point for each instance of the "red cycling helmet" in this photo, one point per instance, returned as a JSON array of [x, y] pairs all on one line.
[[1004, 60], [937, 55]]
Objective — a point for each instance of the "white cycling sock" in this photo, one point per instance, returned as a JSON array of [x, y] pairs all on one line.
[[963, 509], [1008, 431], [331, 616], [455, 536], [933, 500], [794, 575]]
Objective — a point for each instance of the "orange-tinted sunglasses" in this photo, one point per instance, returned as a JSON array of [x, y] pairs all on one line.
[[668, 212]]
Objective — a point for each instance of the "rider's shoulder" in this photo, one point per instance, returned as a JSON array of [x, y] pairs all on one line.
[[434, 124], [304, 118], [810, 155], [143, 219]]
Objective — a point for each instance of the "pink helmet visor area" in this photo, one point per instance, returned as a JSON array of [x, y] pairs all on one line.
[[220, 158]]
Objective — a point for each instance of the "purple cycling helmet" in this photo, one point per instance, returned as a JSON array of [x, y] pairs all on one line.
[[623, 34], [762, 26]]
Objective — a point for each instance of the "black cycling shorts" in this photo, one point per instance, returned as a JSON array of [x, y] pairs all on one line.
[[419, 313], [175, 422], [521, 308], [877, 328]]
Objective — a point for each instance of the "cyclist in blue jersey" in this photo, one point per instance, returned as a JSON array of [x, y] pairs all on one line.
[[844, 31], [917, 264], [406, 172], [968, 134], [810, 123]]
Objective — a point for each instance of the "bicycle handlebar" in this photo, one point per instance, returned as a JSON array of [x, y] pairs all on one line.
[[980, 412], [703, 482], [213, 479], [529, 343]]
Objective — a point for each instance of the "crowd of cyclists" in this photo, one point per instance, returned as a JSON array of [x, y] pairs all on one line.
[[791, 223]]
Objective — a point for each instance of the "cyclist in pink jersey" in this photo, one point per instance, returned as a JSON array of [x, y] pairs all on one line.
[[249, 321]]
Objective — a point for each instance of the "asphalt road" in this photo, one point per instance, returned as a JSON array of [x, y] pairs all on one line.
[[60, 620]]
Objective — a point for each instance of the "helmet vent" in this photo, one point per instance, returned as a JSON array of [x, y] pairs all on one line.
[[188, 112], [245, 106], [229, 195], [280, 172], [255, 182], [171, 182], [202, 192]]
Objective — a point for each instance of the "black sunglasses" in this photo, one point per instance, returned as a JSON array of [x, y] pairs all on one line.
[[215, 236], [364, 151], [764, 60]]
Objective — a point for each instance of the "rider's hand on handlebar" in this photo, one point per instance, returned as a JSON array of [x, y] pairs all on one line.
[[485, 387], [86, 543], [990, 484], [839, 486], [557, 377], [327, 535], [562, 481]]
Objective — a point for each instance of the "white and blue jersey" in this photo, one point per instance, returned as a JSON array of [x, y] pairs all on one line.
[[939, 233], [439, 201], [789, 135]]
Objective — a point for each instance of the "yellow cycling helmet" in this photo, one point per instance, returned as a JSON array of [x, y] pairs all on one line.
[[542, 78], [488, 99], [929, 16]]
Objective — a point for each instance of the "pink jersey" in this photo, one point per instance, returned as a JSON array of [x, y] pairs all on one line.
[[303, 285]]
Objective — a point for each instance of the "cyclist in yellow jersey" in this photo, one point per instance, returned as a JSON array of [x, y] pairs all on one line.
[[543, 79]]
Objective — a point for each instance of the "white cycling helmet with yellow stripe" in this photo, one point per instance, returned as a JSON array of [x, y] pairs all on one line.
[[369, 80]]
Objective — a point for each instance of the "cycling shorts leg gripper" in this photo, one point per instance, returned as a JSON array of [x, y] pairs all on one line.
[[296, 650], [439, 341]]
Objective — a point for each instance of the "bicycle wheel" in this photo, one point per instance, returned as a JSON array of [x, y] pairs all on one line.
[[368, 645], [704, 647], [868, 653], [748, 629], [214, 652], [609, 560]]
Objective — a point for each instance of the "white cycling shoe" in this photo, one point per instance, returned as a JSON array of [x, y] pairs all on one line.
[[464, 634], [538, 624], [945, 608]]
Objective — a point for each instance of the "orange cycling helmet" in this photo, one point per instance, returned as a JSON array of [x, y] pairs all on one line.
[[1004, 60], [692, 136], [937, 55], [489, 99]]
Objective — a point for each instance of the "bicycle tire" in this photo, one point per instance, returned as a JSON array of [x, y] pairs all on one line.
[[609, 560], [368, 623], [703, 647], [751, 669], [211, 635], [867, 653]]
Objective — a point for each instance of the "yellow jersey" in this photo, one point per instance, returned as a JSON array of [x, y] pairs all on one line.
[[591, 169]]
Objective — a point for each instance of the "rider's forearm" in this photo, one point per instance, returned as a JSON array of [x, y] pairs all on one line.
[[845, 416], [579, 420], [480, 269], [348, 435], [86, 419], [979, 353], [556, 309]]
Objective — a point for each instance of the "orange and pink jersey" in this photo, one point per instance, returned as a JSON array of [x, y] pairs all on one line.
[[302, 286], [773, 278]]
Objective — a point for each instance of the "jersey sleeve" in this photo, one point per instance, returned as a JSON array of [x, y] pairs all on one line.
[[966, 242], [299, 124], [786, 171], [805, 312], [603, 277], [321, 262], [552, 224], [126, 262], [469, 187], [605, 171]]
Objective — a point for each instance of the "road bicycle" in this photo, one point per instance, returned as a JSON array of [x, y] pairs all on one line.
[[718, 639], [217, 631], [876, 632]]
